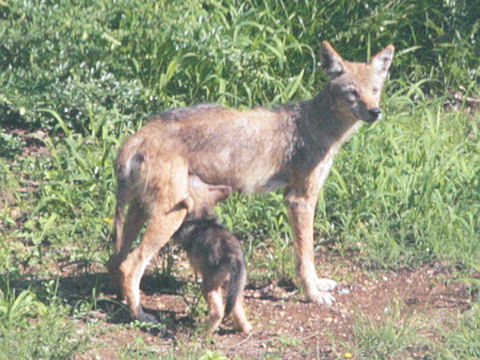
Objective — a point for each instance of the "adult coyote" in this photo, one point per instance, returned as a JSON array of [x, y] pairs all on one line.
[[252, 151]]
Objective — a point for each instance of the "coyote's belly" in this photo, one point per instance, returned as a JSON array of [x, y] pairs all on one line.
[[254, 175]]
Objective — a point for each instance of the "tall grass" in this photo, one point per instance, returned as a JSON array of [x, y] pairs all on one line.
[[136, 57], [408, 189]]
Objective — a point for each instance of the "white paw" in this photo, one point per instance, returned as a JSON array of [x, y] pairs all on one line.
[[326, 284], [246, 328], [322, 298]]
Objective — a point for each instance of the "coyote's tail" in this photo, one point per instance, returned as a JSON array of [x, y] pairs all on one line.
[[238, 278], [127, 176]]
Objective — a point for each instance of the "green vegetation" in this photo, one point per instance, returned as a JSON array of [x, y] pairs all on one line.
[[78, 77], [402, 336]]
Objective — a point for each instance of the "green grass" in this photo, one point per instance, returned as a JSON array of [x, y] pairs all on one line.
[[34, 328], [410, 186], [463, 342], [402, 336], [391, 337], [79, 77]]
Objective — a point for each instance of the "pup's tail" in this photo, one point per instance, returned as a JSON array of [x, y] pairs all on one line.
[[238, 279]]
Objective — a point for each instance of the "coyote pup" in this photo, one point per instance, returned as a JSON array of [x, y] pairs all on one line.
[[215, 253]]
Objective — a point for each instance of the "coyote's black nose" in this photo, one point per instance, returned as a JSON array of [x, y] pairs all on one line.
[[375, 113]]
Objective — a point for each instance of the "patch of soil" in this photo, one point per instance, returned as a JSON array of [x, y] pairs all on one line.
[[285, 325]]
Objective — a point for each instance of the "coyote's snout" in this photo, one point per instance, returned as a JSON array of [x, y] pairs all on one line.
[[258, 150]]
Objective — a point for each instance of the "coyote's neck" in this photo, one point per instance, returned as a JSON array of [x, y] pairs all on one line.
[[329, 119]]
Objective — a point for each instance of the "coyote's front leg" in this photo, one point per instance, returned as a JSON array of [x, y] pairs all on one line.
[[301, 211]]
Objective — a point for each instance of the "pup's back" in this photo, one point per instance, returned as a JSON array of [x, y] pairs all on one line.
[[217, 255]]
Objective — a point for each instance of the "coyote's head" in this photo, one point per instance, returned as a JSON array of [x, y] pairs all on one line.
[[356, 87]]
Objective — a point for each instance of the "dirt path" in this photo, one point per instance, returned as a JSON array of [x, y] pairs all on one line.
[[287, 327]]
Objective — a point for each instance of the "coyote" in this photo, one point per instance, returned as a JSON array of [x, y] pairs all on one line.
[[252, 151], [215, 253]]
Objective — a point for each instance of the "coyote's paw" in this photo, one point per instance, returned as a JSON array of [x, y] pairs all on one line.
[[247, 328], [322, 298], [326, 284]]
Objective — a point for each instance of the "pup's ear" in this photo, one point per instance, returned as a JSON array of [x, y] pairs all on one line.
[[332, 63], [188, 203], [219, 192], [382, 61]]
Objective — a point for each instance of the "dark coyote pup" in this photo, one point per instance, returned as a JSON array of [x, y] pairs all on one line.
[[252, 151], [215, 253]]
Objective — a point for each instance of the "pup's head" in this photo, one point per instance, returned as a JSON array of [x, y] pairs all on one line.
[[202, 197], [357, 87]]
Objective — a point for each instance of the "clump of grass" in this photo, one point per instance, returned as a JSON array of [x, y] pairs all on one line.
[[32, 329], [391, 335], [462, 340], [398, 335]]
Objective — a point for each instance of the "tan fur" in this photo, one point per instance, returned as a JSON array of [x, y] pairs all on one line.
[[258, 150]]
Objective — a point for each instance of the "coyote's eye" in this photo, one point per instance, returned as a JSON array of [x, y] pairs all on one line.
[[375, 90]]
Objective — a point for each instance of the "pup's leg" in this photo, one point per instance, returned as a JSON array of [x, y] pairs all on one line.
[[216, 309], [301, 211], [134, 221], [240, 317]]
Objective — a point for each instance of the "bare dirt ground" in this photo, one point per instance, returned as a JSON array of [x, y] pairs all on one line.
[[285, 326]]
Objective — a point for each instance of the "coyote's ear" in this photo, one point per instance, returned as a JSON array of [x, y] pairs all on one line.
[[382, 61], [219, 192], [332, 62]]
